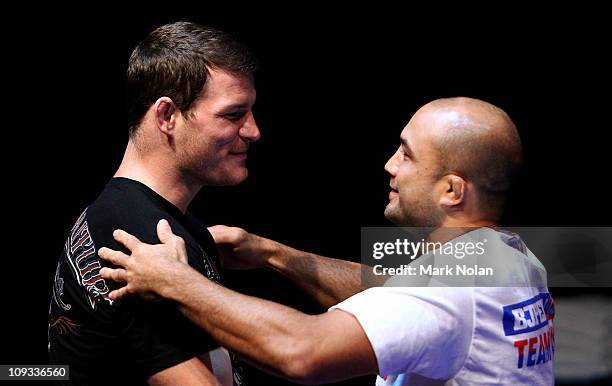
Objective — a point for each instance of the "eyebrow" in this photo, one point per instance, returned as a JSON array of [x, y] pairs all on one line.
[[407, 148], [239, 106]]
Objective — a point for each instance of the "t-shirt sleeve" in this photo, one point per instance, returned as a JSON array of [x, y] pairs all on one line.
[[158, 335], [155, 335], [422, 330]]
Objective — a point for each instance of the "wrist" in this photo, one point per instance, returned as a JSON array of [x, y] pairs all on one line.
[[276, 255], [178, 277]]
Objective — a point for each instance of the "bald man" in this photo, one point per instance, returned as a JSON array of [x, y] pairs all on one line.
[[452, 170]]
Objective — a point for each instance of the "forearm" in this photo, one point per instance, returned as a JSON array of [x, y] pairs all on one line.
[[269, 335], [304, 348], [327, 280], [193, 371]]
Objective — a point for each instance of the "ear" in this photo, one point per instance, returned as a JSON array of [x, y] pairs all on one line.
[[165, 117], [454, 190]]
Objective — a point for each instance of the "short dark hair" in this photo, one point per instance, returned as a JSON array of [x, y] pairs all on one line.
[[174, 61]]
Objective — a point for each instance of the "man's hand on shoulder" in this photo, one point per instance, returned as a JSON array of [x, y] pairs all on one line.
[[150, 271]]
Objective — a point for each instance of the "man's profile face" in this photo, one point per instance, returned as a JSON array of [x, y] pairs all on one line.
[[413, 171], [213, 141]]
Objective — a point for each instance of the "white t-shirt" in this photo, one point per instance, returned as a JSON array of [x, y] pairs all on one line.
[[461, 335]]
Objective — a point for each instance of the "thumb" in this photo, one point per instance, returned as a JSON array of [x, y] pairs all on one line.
[[164, 232], [219, 233]]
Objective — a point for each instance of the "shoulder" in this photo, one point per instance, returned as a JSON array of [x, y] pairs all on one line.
[[425, 330], [126, 208], [406, 304]]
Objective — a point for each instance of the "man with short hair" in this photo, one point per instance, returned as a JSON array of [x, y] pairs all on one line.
[[190, 92], [451, 172]]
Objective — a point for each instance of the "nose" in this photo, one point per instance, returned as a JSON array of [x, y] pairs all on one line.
[[391, 166], [249, 130]]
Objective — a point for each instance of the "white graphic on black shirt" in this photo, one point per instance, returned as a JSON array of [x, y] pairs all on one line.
[[82, 255], [210, 268], [58, 290]]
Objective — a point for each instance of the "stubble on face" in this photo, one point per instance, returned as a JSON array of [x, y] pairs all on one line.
[[414, 178], [413, 207], [211, 131]]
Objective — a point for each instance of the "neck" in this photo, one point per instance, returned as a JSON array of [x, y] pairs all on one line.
[[158, 172], [455, 227], [450, 222]]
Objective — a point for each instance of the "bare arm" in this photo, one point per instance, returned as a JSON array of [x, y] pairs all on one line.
[[327, 280], [279, 339], [191, 372], [304, 348]]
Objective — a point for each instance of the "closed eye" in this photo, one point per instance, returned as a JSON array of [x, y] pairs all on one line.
[[406, 149], [405, 155], [234, 115]]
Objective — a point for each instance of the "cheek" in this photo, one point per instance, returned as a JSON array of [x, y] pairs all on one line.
[[215, 133], [413, 186], [224, 134], [406, 175], [409, 174], [226, 138], [220, 146]]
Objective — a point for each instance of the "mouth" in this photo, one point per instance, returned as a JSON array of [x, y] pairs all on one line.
[[239, 154], [393, 193]]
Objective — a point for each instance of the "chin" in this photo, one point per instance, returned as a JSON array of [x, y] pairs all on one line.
[[232, 178], [391, 214]]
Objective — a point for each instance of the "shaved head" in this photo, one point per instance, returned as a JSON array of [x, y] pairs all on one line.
[[476, 140], [455, 164]]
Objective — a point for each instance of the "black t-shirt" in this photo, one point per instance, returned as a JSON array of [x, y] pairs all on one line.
[[107, 342]]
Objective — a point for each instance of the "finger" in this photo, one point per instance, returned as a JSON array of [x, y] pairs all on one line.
[[118, 294], [164, 232], [220, 233], [115, 274], [179, 249], [130, 241], [116, 257]]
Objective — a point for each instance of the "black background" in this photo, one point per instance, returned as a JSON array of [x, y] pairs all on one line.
[[334, 92]]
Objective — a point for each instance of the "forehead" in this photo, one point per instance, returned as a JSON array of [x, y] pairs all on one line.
[[418, 133], [226, 88]]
